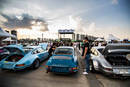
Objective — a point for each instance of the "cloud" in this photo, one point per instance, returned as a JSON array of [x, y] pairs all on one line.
[[115, 2], [23, 21], [77, 23], [2, 2]]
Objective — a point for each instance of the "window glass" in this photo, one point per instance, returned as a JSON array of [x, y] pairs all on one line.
[[26, 50], [35, 51], [95, 53], [40, 50], [65, 51]]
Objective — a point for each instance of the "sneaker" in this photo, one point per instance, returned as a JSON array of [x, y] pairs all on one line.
[[85, 73]]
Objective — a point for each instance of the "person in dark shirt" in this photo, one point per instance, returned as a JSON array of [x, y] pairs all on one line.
[[79, 45], [52, 48], [86, 54]]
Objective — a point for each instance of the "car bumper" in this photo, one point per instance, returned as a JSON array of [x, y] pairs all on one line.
[[117, 72], [61, 69], [12, 67]]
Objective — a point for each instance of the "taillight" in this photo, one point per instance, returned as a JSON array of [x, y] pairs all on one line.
[[48, 68], [108, 69], [74, 68], [20, 64]]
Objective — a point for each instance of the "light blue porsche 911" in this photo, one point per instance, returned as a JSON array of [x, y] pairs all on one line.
[[23, 57], [64, 60]]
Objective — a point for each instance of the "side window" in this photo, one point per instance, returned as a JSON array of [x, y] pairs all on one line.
[[95, 53], [92, 51], [40, 50], [36, 51]]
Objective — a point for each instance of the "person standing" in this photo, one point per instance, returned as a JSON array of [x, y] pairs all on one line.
[[86, 54], [79, 45], [52, 48]]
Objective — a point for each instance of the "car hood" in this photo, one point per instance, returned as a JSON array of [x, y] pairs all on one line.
[[17, 47], [61, 61]]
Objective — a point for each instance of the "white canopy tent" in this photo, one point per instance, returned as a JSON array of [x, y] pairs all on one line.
[[112, 37], [99, 39], [8, 39], [4, 34]]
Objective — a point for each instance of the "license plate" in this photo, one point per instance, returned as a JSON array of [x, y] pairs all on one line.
[[60, 69], [123, 71]]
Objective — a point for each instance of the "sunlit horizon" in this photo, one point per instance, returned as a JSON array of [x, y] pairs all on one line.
[[97, 18]]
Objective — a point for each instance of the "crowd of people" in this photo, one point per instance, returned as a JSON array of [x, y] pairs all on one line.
[[57, 44]]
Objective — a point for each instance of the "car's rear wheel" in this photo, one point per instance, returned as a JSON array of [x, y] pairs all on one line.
[[36, 64]]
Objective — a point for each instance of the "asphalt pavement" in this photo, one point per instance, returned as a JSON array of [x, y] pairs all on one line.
[[39, 78]]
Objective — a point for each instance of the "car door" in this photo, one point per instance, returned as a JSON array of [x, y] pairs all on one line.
[[42, 53], [45, 53], [39, 53], [36, 53]]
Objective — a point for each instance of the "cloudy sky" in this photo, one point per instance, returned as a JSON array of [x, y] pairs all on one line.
[[93, 17]]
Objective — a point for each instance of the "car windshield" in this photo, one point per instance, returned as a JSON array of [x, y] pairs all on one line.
[[64, 51], [27, 50]]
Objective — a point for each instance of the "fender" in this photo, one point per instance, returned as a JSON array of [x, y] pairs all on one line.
[[95, 64], [28, 60]]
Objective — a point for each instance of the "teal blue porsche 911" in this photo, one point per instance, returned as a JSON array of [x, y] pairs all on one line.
[[64, 60], [23, 57]]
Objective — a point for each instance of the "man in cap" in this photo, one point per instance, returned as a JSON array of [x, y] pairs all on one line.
[[86, 54]]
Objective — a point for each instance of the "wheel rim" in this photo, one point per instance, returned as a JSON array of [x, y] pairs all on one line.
[[36, 63]]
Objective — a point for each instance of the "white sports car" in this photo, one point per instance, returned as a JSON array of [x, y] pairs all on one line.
[[114, 59]]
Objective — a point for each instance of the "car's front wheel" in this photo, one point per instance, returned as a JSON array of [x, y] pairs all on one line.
[[92, 69], [36, 64]]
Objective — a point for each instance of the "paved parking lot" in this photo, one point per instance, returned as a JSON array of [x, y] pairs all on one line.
[[39, 78]]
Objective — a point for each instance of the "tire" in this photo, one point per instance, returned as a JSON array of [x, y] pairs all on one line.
[[3, 69], [36, 64], [92, 69]]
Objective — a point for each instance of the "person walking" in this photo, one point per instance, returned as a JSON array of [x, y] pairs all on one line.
[[86, 54]]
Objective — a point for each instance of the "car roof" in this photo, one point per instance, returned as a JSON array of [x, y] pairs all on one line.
[[125, 45], [115, 50], [119, 44], [99, 47], [66, 47], [31, 47]]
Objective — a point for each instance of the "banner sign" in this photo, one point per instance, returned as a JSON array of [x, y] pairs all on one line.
[[66, 31]]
